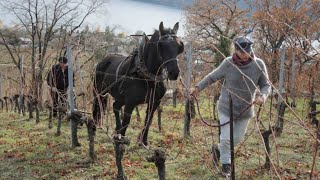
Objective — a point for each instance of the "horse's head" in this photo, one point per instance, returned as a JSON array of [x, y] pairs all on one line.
[[162, 50], [169, 47]]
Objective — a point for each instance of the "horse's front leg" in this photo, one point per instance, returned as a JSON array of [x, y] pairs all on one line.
[[126, 118], [121, 141], [116, 108], [143, 138]]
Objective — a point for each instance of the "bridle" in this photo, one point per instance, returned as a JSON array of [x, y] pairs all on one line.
[[143, 70], [170, 35]]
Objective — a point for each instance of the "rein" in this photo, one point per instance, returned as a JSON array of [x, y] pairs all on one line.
[[219, 125], [215, 125]]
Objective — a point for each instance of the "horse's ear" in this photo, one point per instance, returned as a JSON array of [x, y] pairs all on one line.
[[181, 48], [176, 27], [161, 28]]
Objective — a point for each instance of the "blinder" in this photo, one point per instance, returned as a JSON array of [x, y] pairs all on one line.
[[181, 47], [170, 37]]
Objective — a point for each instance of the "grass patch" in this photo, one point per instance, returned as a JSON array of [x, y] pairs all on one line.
[[32, 151]]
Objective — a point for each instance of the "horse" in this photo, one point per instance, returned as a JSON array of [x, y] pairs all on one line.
[[138, 78]]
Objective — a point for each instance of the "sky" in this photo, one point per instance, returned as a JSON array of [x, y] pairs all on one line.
[[129, 16]]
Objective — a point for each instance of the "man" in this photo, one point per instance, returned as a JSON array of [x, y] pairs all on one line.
[[245, 78], [57, 80]]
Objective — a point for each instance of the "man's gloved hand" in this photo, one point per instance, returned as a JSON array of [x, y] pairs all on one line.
[[259, 100], [54, 89], [194, 93], [81, 94]]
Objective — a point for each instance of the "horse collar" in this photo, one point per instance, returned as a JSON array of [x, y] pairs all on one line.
[[143, 71]]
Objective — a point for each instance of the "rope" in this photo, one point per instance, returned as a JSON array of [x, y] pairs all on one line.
[[203, 120], [223, 124]]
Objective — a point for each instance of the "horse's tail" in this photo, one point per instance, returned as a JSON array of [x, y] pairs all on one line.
[[100, 100], [99, 106]]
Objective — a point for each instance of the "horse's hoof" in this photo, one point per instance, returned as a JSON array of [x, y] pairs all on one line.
[[78, 144], [118, 138], [93, 157], [121, 177], [144, 145], [58, 133], [126, 141]]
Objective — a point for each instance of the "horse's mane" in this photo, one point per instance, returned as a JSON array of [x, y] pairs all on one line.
[[155, 36], [151, 44]]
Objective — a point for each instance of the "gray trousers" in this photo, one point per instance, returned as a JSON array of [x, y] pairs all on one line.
[[239, 130]]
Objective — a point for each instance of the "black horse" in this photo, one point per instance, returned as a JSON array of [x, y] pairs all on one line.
[[138, 78]]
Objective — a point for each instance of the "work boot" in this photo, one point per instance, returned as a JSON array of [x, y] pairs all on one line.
[[215, 153], [226, 169]]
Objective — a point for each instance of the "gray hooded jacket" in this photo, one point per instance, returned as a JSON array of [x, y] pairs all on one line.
[[242, 82]]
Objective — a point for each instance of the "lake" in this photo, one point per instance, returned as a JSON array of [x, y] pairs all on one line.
[[132, 16]]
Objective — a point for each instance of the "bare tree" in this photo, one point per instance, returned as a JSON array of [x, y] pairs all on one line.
[[281, 23], [43, 20], [295, 25], [213, 24], [9, 38], [14, 43]]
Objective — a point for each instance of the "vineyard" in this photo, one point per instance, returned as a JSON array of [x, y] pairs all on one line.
[[85, 141]]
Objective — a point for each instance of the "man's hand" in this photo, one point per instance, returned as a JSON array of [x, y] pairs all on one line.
[[54, 89], [194, 93], [81, 94], [259, 100]]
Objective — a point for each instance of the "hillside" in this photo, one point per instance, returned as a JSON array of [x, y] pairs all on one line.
[[181, 3], [169, 3]]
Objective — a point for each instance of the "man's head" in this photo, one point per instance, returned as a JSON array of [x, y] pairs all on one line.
[[243, 47], [63, 61], [243, 43]]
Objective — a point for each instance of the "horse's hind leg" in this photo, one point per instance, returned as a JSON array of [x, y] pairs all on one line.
[[99, 106], [1, 104], [143, 138], [6, 103]]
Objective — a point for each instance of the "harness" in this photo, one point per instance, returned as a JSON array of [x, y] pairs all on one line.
[[122, 78], [139, 67]]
